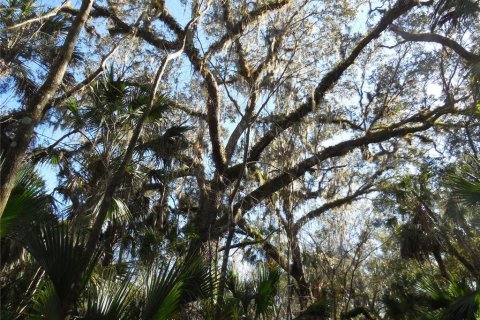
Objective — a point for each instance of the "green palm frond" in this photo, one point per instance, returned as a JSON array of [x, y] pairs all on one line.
[[232, 309], [454, 11], [163, 290], [28, 201], [110, 299], [119, 211], [242, 291], [45, 304], [267, 287], [170, 286], [433, 293], [60, 250], [256, 295], [447, 299], [466, 183], [466, 307], [176, 131]]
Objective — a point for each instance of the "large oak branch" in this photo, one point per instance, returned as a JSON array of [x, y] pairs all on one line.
[[331, 205], [400, 8], [424, 121]]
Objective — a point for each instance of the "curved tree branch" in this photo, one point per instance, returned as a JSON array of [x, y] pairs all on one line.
[[426, 120], [330, 205], [436, 38]]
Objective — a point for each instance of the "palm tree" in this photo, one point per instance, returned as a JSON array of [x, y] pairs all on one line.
[[67, 280], [30, 48], [252, 298], [455, 295]]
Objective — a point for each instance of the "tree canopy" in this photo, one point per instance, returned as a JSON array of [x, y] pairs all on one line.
[[270, 159]]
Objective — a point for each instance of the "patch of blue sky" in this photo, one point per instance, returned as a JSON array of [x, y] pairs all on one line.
[[181, 12]]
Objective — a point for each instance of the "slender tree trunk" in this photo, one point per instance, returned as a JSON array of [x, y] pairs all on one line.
[[298, 274], [223, 274], [441, 265], [36, 105]]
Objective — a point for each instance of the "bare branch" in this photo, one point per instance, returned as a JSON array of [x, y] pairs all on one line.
[[124, 28], [331, 205], [236, 29]]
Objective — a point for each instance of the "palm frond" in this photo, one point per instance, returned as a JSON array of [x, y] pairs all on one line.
[[110, 299], [172, 285], [448, 299], [28, 201], [466, 307], [59, 249], [267, 287], [466, 183], [119, 211], [454, 11], [45, 304], [163, 287]]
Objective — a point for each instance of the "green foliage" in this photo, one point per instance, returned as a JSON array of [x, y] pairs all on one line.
[[447, 299], [254, 298], [60, 250], [419, 293], [170, 286], [27, 202], [46, 303], [454, 11], [466, 183], [110, 298], [32, 42], [267, 286], [275, 108], [320, 309]]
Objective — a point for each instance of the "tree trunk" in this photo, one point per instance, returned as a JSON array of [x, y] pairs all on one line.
[[36, 105], [298, 274]]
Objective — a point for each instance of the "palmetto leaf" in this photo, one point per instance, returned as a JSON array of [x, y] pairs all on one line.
[[453, 11], [119, 211], [242, 291], [172, 285], [466, 183], [466, 307], [256, 294], [158, 109], [110, 299], [59, 249], [267, 285], [176, 131], [27, 201], [45, 304], [448, 299]]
